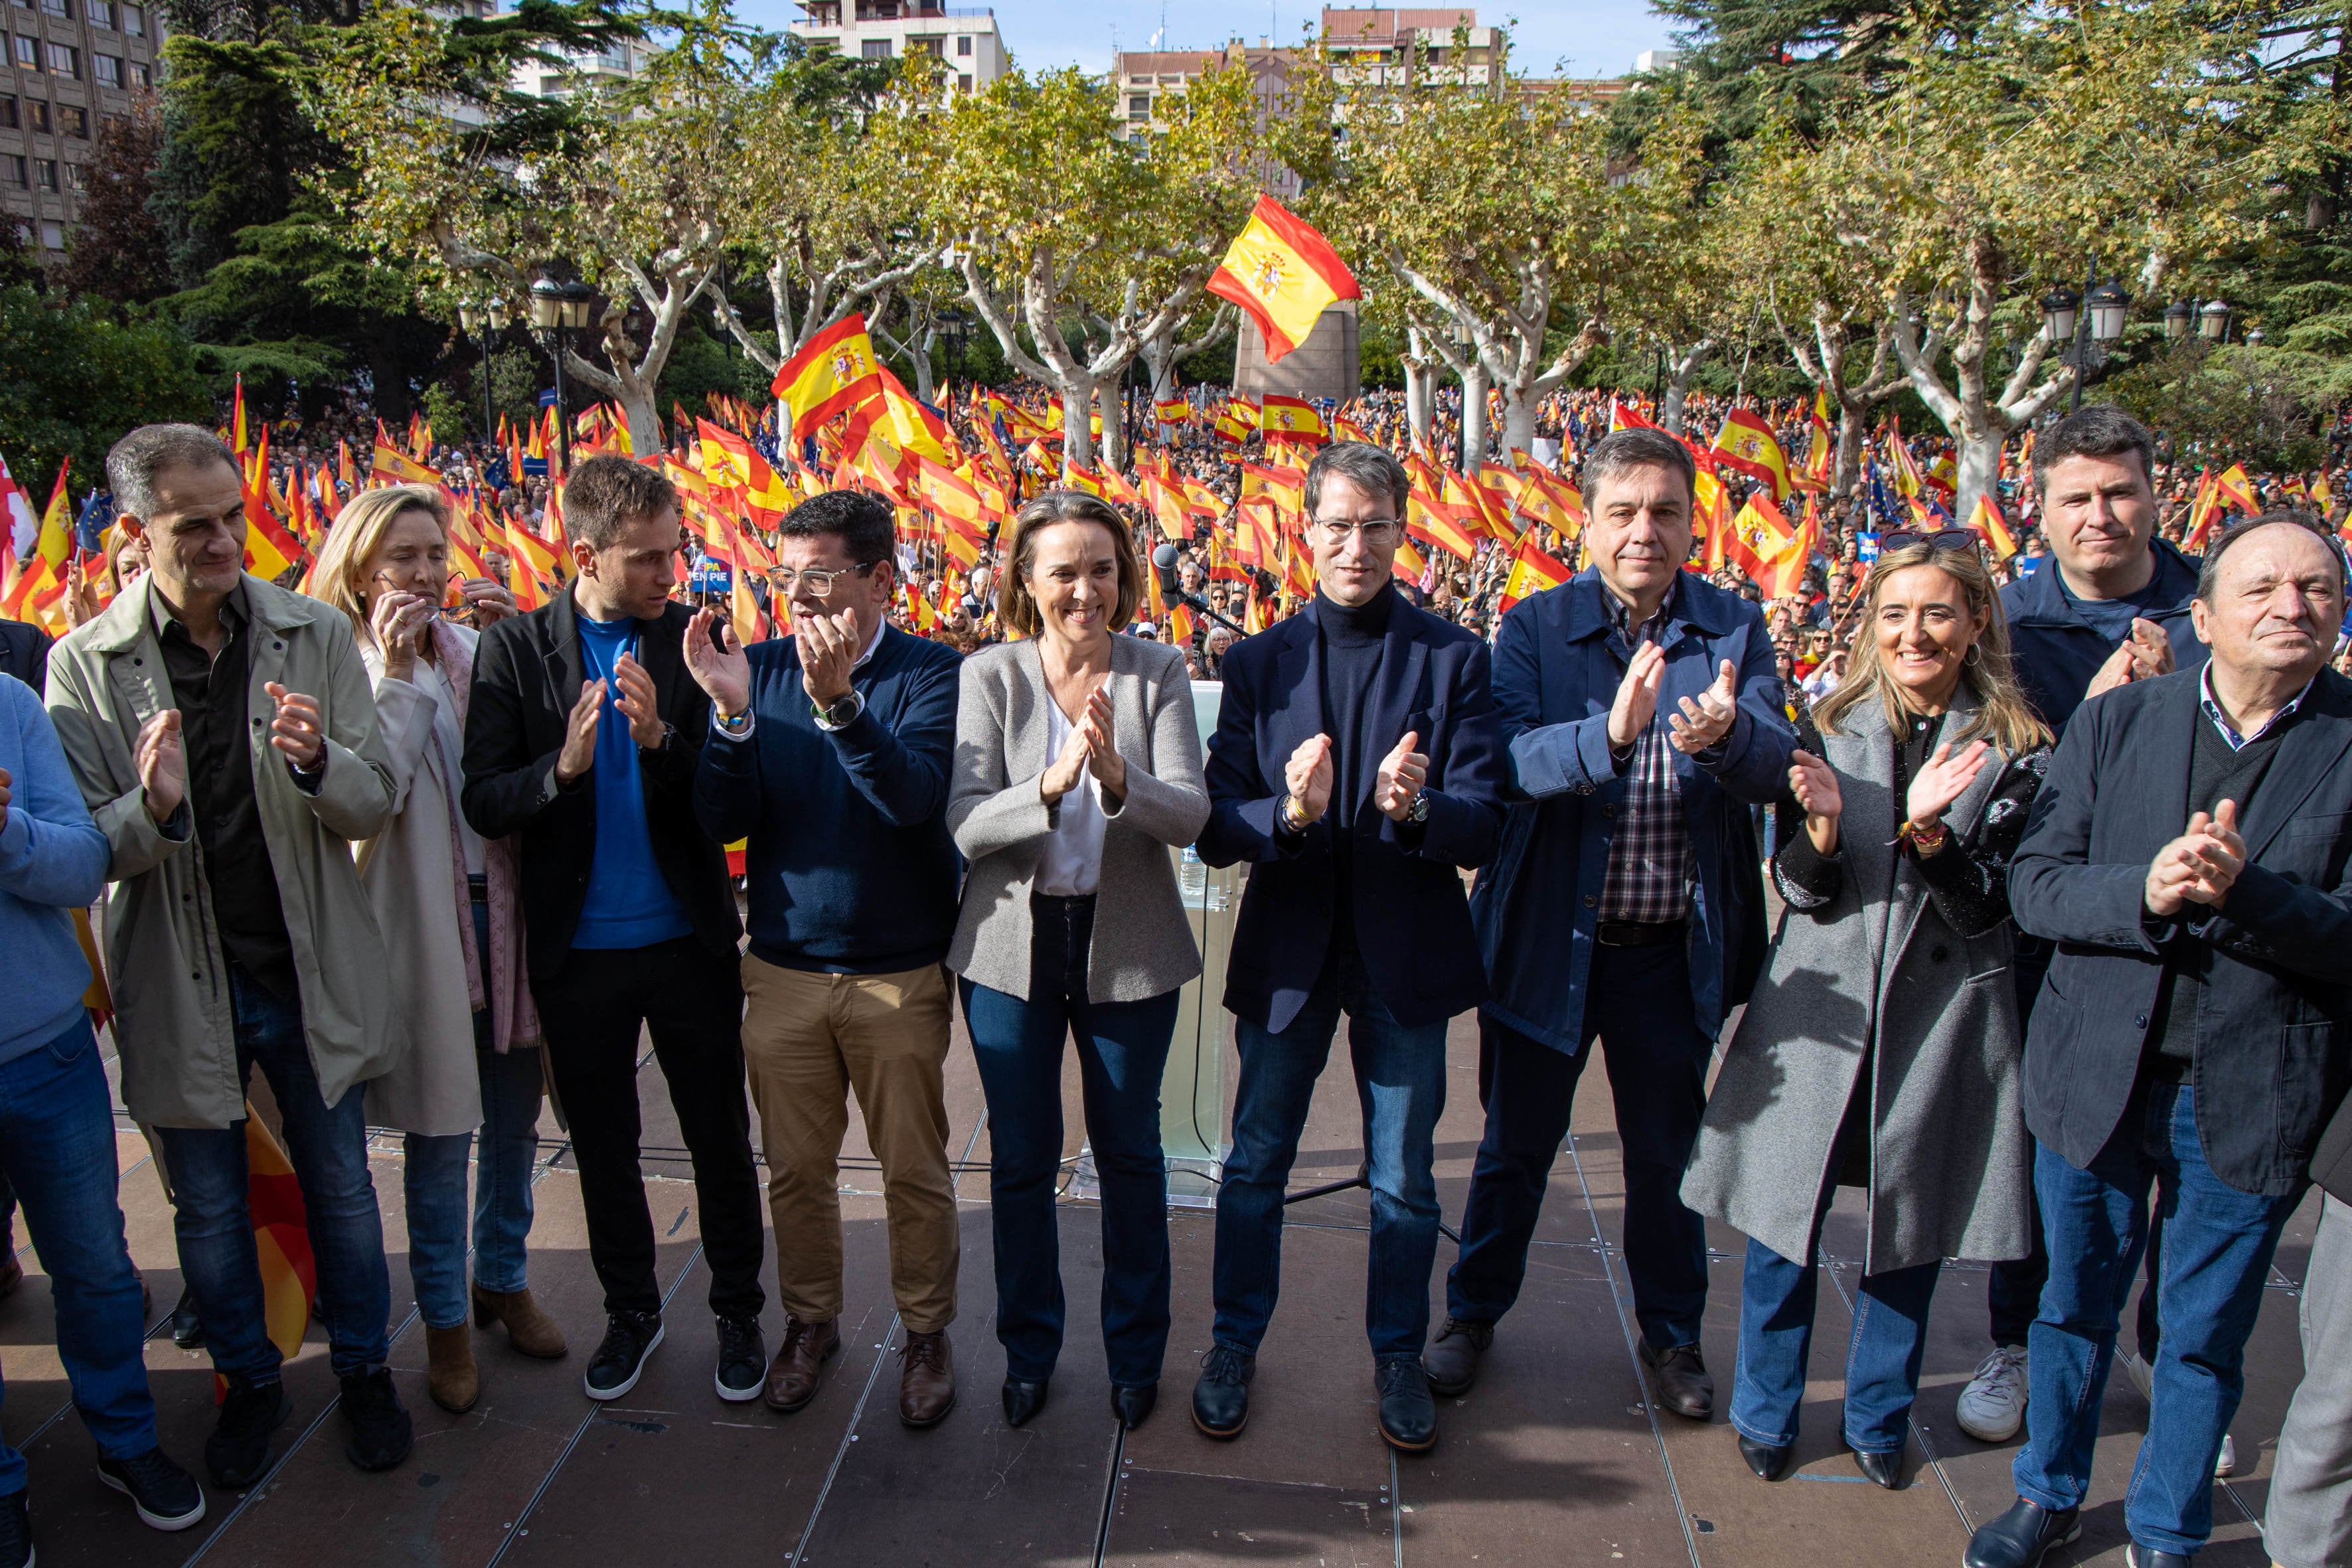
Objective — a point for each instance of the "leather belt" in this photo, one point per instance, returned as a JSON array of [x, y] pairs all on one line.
[[1640, 933]]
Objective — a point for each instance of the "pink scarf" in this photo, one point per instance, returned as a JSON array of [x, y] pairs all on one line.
[[514, 1017]]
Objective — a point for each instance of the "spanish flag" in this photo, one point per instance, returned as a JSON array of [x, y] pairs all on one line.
[[834, 373], [281, 1238], [1172, 411], [1987, 521], [394, 467], [1291, 419], [1285, 275], [1747, 443], [2230, 485], [1532, 572]]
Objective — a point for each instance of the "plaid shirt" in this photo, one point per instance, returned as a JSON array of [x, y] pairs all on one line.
[[1650, 863]]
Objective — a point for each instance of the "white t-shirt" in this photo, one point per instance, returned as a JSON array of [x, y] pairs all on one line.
[[1071, 863]]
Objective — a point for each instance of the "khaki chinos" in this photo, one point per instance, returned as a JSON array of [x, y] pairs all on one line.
[[809, 1038]]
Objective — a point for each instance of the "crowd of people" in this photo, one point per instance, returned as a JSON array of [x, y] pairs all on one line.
[[2026, 885]]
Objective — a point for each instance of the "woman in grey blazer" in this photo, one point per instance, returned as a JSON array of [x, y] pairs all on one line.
[[1077, 765], [1880, 1047]]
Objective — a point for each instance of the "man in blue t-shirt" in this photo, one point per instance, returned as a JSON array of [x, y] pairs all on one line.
[[582, 737]]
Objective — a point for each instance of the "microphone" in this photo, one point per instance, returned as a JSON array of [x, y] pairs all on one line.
[[1163, 566]]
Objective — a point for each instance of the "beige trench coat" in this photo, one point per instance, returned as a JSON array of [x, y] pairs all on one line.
[[164, 960]]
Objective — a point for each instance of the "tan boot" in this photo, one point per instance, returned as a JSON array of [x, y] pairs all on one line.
[[449, 1372], [529, 1327]]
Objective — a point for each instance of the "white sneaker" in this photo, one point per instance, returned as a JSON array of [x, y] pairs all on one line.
[[2142, 1378], [1992, 1407], [2227, 1459]]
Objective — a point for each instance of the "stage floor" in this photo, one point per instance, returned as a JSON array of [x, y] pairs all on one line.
[[1557, 1457]]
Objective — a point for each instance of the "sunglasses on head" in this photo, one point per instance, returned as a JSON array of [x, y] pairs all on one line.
[[1942, 539]]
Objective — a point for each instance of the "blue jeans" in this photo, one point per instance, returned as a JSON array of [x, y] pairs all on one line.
[[1401, 1086], [1776, 1333], [2217, 1243], [328, 1146], [57, 1147], [1122, 1052], [1638, 1005], [435, 1179]]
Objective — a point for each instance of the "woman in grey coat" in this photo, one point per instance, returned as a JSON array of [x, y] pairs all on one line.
[[1077, 765], [1881, 1048]]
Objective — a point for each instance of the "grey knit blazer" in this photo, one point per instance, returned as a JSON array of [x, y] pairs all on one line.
[[1143, 943]]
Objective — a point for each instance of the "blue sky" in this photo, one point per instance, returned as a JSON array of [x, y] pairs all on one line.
[[1593, 38]]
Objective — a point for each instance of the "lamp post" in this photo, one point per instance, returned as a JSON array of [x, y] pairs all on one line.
[[2087, 322], [558, 310], [490, 319]]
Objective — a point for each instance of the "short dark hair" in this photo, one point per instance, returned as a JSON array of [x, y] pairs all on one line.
[[2209, 571], [2102, 430], [605, 494], [860, 518], [1620, 450], [1373, 469], [133, 463]]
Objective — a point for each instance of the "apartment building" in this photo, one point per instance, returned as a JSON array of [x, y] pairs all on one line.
[[964, 38], [72, 65], [1389, 46]]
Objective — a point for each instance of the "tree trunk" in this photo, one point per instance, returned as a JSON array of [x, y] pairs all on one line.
[[1111, 396], [1416, 388], [1474, 413], [1847, 469], [1680, 369], [1076, 389]]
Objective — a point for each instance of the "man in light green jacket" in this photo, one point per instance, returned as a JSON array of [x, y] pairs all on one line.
[[223, 735]]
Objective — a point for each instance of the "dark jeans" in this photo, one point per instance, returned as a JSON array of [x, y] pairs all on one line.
[[691, 1002], [57, 1151], [2218, 1247], [1401, 1088], [1777, 1297], [1638, 1002], [1122, 1051], [328, 1146]]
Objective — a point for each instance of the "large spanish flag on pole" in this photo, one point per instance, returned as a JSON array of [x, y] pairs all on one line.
[[834, 373], [1747, 443], [1285, 275]]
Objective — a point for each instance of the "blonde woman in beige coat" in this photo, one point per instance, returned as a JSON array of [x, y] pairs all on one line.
[[447, 904]]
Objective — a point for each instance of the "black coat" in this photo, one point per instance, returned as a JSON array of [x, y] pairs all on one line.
[[2056, 652], [25, 654], [2275, 1017], [528, 672]]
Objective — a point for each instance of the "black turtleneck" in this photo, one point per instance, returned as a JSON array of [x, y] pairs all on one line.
[[1352, 638]]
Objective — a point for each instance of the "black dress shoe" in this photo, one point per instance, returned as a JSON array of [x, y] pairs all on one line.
[[1023, 1400], [1684, 1386], [1408, 1413], [1769, 1463], [2138, 1556], [1133, 1405], [1221, 1399], [1452, 1359], [188, 1329], [1883, 1469], [2021, 1537]]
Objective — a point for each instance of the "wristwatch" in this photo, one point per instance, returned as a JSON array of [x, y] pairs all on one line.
[[844, 712], [1418, 812]]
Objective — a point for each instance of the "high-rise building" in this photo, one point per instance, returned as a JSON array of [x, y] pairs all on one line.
[[73, 65], [964, 38]]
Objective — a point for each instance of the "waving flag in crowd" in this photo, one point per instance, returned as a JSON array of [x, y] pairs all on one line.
[[1285, 275]]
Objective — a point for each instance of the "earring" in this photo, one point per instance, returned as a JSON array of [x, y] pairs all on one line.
[[1974, 657]]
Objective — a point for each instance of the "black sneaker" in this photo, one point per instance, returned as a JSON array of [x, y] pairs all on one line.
[[16, 1531], [743, 1359], [629, 1339], [238, 1450], [166, 1496], [381, 1431]]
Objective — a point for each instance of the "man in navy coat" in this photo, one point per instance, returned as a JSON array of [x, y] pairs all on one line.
[[1356, 766], [1644, 716]]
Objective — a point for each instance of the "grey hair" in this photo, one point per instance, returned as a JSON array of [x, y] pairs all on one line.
[[1373, 469], [1621, 452], [134, 462], [2209, 571], [2102, 430]]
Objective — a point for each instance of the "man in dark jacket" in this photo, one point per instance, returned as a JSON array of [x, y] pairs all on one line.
[[2189, 856], [1643, 716], [2110, 606], [1355, 765], [583, 735]]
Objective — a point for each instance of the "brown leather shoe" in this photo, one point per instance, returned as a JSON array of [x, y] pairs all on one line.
[[529, 1327], [792, 1376], [926, 1387], [449, 1374], [1684, 1386]]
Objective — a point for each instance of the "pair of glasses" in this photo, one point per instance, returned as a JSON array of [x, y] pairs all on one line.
[[1377, 531], [783, 579], [1942, 539]]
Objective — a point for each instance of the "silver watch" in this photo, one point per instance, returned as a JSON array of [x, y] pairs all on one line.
[[1418, 812]]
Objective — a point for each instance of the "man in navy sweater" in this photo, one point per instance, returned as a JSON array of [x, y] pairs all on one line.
[[828, 751]]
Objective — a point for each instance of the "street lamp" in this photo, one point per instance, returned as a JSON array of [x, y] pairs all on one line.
[[559, 309], [2107, 304], [487, 320], [2058, 311], [2087, 321], [2213, 322], [2176, 319]]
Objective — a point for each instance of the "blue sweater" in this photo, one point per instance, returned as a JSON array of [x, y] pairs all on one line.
[[628, 902], [851, 869], [52, 861]]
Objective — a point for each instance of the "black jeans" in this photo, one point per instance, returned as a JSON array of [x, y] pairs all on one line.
[[692, 1003]]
